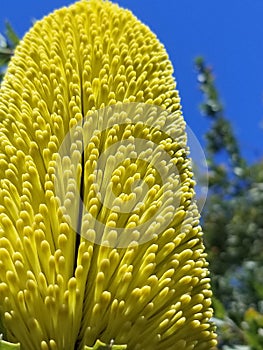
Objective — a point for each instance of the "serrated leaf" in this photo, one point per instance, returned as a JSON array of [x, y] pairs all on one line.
[[102, 346]]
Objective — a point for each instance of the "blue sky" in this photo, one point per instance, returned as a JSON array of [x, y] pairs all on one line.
[[229, 34]]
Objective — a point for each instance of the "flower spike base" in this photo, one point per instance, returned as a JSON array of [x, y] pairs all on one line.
[[100, 346], [4, 345]]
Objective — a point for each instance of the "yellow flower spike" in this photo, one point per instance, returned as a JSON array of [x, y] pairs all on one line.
[[100, 243]]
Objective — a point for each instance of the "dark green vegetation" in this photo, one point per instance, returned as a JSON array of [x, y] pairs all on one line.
[[8, 43], [233, 227]]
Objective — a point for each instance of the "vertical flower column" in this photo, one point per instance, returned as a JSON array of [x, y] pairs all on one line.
[[100, 242]]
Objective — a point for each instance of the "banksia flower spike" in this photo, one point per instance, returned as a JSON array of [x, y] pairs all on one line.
[[100, 243]]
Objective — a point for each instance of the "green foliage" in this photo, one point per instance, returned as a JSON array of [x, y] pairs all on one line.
[[13, 39], [254, 329], [220, 137], [233, 226], [8, 42]]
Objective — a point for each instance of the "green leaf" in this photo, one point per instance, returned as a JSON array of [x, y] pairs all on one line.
[[102, 346], [11, 35], [220, 311], [5, 55], [8, 346], [3, 42], [237, 347]]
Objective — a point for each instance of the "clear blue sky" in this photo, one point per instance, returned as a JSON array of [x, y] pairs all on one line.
[[228, 33]]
